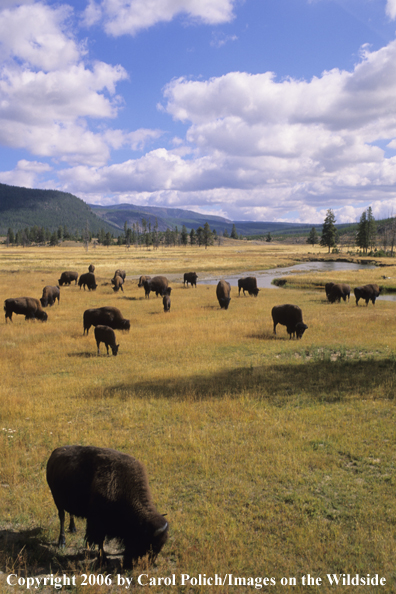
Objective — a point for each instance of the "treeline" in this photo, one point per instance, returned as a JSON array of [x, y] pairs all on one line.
[[368, 236], [140, 235]]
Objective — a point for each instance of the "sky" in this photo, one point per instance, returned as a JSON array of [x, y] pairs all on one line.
[[259, 110]]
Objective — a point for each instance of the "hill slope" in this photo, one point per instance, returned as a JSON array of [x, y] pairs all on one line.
[[24, 207]]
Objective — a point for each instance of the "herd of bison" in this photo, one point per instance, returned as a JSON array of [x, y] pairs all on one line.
[[109, 488]]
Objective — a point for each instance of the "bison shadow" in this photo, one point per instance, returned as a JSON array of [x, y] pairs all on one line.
[[83, 355], [311, 380]]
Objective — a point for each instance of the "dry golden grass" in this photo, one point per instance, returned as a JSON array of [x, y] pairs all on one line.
[[271, 457]]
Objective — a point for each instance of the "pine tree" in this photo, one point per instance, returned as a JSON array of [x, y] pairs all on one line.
[[184, 236], [362, 232], [329, 231], [234, 233], [207, 235], [313, 237], [193, 237]]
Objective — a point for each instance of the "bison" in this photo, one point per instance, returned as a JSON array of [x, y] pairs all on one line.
[[291, 317], [105, 316], [120, 273], [157, 284], [166, 302], [338, 291], [50, 295], [87, 280], [248, 284], [117, 282], [142, 280], [328, 287], [91, 268], [223, 291], [368, 293], [190, 277], [67, 277], [106, 335], [25, 306], [110, 489]]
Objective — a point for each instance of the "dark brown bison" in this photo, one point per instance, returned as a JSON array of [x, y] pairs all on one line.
[[91, 268], [166, 302], [142, 280], [223, 291], [50, 295], [106, 335], [190, 277], [120, 273], [328, 287], [157, 284], [110, 489], [291, 317], [87, 280], [25, 306], [248, 284], [105, 316], [117, 281], [67, 278], [367, 293], [339, 291]]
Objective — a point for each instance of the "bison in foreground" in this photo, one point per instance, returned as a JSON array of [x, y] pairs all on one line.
[[25, 306], [50, 295], [67, 277], [157, 284], [223, 291], [338, 291], [87, 280], [105, 316], [248, 284], [110, 489], [190, 277], [142, 280], [367, 293], [291, 317], [106, 335]]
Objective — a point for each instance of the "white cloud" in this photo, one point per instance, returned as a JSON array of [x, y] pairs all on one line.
[[26, 174], [391, 9], [47, 92], [130, 16]]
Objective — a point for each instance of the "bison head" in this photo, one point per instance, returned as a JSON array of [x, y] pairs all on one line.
[[300, 329]]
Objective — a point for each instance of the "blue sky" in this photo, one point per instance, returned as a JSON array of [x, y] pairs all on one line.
[[271, 110]]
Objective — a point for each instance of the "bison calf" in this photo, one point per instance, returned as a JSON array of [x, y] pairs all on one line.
[[110, 489], [166, 302], [106, 335], [50, 295], [291, 317]]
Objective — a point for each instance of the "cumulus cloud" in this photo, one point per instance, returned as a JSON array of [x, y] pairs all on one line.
[[48, 93], [391, 9], [25, 174], [122, 17]]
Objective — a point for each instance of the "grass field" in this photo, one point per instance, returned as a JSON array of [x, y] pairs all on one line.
[[271, 457]]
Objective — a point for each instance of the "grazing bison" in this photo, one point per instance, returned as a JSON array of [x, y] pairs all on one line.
[[190, 277], [91, 268], [328, 287], [157, 284], [166, 302], [25, 306], [291, 317], [106, 335], [248, 284], [117, 281], [50, 294], [142, 280], [110, 489], [339, 291], [223, 291], [87, 280], [105, 316], [120, 273], [367, 293], [67, 277]]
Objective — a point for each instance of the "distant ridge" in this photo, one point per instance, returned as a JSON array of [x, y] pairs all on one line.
[[25, 207]]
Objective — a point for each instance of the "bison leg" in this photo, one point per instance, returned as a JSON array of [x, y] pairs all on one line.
[[107, 348], [62, 537], [72, 526], [275, 324]]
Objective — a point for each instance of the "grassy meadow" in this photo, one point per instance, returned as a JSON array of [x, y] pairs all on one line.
[[271, 457]]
